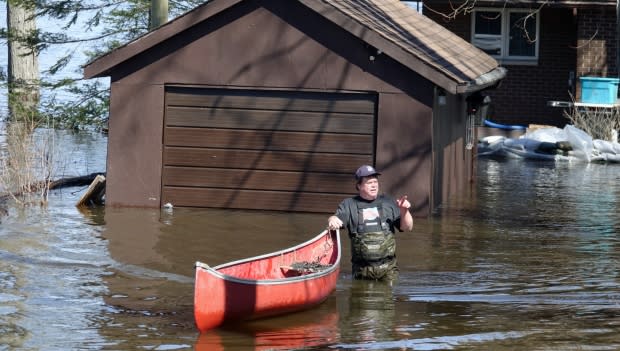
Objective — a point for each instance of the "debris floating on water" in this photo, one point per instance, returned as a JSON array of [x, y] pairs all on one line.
[[309, 267]]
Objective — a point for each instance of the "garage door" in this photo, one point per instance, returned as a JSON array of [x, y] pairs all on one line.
[[268, 150]]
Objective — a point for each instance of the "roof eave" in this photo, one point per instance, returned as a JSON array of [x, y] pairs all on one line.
[[482, 82]]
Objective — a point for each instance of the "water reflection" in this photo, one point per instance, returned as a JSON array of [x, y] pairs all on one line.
[[312, 329], [371, 309]]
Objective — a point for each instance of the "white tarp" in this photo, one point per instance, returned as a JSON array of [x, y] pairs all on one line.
[[551, 144]]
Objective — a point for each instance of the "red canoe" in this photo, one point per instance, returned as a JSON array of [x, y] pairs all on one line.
[[284, 281]]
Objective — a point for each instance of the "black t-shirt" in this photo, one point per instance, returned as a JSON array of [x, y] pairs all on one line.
[[349, 215]]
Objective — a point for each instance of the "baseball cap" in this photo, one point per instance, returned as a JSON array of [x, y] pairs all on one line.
[[365, 171]]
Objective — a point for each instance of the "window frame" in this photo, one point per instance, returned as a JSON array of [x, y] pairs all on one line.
[[505, 13]]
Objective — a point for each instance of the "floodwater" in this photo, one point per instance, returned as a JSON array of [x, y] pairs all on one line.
[[528, 261]]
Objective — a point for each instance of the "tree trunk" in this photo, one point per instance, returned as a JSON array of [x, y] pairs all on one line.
[[23, 63], [159, 13]]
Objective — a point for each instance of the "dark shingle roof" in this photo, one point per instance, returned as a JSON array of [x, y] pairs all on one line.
[[412, 38]]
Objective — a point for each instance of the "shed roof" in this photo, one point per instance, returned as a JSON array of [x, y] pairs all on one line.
[[390, 26]]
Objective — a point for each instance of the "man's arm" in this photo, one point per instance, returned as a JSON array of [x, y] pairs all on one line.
[[406, 220], [335, 221]]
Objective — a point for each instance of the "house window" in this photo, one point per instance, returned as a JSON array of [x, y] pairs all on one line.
[[509, 35], [415, 4]]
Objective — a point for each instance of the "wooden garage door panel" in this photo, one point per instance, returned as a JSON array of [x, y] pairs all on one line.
[[264, 149], [253, 200], [270, 120], [268, 140], [265, 160], [265, 100], [256, 180]]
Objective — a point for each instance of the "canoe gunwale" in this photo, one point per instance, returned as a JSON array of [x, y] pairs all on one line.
[[286, 280]]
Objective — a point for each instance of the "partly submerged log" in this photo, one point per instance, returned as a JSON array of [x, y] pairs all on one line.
[[56, 184], [94, 194], [74, 181]]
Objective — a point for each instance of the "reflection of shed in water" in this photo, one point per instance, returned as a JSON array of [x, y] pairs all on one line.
[[273, 105]]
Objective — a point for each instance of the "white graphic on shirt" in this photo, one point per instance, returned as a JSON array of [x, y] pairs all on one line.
[[370, 216]]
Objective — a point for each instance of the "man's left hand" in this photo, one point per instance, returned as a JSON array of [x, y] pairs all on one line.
[[403, 203]]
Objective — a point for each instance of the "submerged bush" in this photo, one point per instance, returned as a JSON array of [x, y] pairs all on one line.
[[599, 122]]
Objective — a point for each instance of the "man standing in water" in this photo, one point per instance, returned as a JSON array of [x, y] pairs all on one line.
[[371, 220]]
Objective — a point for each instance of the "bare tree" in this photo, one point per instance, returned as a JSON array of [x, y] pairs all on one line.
[[465, 7]]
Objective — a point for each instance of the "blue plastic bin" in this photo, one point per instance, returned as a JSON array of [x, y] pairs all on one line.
[[598, 90]]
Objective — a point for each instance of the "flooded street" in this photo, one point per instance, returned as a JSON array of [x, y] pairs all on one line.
[[528, 261]]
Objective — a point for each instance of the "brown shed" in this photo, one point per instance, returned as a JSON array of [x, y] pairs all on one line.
[[273, 104]]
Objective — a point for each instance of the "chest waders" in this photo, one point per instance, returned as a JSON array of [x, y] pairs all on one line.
[[373, 247]]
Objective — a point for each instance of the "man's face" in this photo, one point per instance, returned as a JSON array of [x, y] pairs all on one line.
[[369, 187]]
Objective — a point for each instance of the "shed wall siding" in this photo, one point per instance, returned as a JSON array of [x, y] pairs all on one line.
[[453, 168], [404, 151], [133, 176]]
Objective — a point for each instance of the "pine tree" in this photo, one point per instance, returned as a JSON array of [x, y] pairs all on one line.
[[104, 25]]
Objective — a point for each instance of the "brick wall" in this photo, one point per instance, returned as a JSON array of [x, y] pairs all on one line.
[[523, 95], [596, 43]]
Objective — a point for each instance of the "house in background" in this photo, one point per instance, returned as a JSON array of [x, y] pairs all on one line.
[[272, 105], [545, 45]]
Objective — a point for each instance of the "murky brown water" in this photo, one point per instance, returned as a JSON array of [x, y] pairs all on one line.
[[528, 261]]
